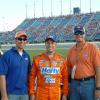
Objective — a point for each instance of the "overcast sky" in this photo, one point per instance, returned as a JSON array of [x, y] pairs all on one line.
[[13, 12]]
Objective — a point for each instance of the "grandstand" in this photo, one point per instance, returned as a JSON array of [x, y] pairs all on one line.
[[60, 27]]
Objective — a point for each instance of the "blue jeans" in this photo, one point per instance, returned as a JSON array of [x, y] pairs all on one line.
[[82, 90], [97, 99], [18, 97]]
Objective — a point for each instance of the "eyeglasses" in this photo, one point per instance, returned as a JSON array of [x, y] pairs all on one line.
[[78, 33], [21, 39]]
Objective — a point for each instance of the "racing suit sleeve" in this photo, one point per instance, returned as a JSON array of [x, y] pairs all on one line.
[[32, 79], [64, 73]]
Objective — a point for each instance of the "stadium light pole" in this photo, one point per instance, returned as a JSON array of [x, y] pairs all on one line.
[[34, 8], [3, 21], [42, 9], [80, 5], [90, 6], [26, 9], [70, 6], [61, 7], [51, 8]]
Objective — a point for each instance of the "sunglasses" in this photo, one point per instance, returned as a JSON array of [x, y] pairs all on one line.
[[78, 33], [21, 39]]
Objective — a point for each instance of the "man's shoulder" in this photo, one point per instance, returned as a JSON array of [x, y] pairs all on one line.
[[92, 45], [8, 52], [60, 56], [25, 52], [36, 57], [72, 48]]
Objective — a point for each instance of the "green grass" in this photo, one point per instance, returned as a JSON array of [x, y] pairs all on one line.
[[62, 52]]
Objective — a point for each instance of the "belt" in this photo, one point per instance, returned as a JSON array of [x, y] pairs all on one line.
[[85, 79]]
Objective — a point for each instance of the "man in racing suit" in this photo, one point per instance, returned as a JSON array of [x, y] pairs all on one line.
[[50, 70]]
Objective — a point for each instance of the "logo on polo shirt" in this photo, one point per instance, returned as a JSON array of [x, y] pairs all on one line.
[[85, 56], [26, 58]]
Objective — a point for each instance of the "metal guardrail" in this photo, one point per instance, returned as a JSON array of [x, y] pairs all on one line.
[[41, 46]]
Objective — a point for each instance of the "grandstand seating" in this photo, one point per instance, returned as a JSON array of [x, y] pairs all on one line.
[[60, 27]]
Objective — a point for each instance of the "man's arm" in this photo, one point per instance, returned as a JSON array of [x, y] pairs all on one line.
[[97, 76], [96, 63], [3, 87], [64, 81], [32, 78], [32, 97], [97, 93], [64, 97]]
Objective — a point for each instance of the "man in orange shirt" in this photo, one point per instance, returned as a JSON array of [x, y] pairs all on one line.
[[50, 69], [84, 65]]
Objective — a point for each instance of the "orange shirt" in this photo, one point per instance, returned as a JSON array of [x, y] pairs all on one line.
[[85, 61], [49, 73]]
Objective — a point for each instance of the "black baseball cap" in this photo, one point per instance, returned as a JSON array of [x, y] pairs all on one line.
[[50, 37], [79, 30]]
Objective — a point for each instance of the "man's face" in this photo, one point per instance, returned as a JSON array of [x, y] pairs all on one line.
[[79, 37], [50, 46], [20, 42]]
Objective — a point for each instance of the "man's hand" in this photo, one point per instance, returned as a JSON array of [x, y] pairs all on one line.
[[97, 93], [32, 97], [64, 97], [4, 98]]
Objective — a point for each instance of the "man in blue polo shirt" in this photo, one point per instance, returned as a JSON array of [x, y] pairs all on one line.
[[14, 69], [1, 53]]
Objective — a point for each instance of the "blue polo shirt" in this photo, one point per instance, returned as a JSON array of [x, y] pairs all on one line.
[[16, 69]]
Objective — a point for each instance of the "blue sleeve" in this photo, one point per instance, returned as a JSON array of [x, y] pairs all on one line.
[[3, 65], [29, 65]]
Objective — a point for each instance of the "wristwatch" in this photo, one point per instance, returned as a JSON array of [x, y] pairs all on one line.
[[97, 88]]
